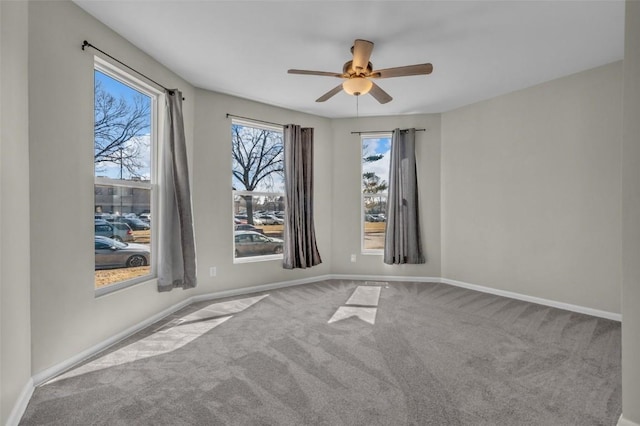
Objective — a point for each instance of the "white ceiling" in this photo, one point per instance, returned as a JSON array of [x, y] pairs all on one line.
[[479, 49]]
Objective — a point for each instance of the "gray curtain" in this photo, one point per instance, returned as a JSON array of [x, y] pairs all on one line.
[[176, 247], [300, 250], [402, 236]]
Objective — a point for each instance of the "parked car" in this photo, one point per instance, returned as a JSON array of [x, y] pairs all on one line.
[[269, 219], [251, 243], [145, 217], [247, 227], [377, 217], [135, 224], [116, 231], [244, 219], [114, 254], [104, 216]]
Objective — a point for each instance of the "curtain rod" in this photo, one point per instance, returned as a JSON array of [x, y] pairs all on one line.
[[85, 43], [254, 119], [384, 131]]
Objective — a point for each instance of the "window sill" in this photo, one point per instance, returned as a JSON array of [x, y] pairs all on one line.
[[372, 252], [252, 259], [112, 288]]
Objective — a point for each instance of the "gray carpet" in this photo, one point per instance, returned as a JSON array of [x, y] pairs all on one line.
[[435, 355]]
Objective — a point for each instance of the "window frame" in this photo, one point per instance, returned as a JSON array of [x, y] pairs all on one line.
[[234, 193], [156, 97], [363, 250]]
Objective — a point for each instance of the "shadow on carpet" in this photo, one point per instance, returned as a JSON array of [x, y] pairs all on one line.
[[435, 355]]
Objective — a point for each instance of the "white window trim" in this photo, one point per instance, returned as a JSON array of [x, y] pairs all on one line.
[[125, 184], [363, 250], [257, 125], [105, 67], [252, 259]]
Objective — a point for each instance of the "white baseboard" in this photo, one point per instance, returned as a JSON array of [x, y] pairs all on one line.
[[51, 372], [483, 289], [258, 288], [624, 422], [48, 374], [385, 278], [44, 376], [21, 404], [538, 300]]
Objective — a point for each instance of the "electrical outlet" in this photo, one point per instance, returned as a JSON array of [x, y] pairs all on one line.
[[212, 271], [353, 258]]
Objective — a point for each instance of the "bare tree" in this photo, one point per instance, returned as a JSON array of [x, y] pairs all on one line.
[[257, 160], [118, 126]]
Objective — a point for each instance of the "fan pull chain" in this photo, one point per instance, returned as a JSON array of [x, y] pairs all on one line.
[[357, 106]]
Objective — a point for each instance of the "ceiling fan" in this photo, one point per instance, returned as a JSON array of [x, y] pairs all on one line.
[[357, 74]]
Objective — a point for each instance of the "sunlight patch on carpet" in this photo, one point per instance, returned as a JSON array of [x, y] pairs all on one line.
[[362, 304], [364, 296], [171, 336], [222, 309], [365, 314], [384, 284]]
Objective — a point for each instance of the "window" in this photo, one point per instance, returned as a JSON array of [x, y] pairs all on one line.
[[124, 148], [375, 177], [258, 191]]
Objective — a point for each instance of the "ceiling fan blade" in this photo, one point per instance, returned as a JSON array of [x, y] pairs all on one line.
[[307, 72], [361, 54], [420, 69], [380, 95], [330, 93]]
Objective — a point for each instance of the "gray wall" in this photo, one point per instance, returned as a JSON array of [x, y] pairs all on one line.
[[15, 335], [212, 194], [531, 190], [631, 217], [66, 317], [347, 191], [524, 188]]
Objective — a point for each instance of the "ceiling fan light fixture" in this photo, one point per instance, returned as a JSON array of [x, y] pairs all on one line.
[[357, 86]]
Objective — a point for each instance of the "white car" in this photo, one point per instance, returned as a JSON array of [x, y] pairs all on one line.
[[269, 219]]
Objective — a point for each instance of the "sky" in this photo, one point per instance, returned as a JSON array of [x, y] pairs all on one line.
[[143, 141], [373, 146], [112, 170], [115, 87]]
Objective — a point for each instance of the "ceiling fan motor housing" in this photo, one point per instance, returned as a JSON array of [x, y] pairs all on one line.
[[349, 71], [357, 77]]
